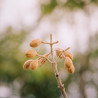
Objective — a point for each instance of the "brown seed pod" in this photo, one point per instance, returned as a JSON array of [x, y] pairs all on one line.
[[69, 65], [43, 60], [34, 43], [33, 65], [27, 64], [71, 69], [68, 62], [30, 53], [59, 53], [68, 54]]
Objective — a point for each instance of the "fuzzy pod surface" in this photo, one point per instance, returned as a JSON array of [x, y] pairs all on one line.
[[34, 65], [59, 53], [30, 53], [35, 43], [68, 64], [71, 69], [27, 64], [68, 54], [43, 60]]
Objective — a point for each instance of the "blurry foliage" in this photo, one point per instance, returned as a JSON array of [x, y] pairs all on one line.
[[10, 64], [48, 8], [69, 4]]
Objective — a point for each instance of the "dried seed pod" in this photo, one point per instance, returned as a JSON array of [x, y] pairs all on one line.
[[68, 62], [31, 53], [59, 53], [33, 64], [68, 54], [71, 69], [27, 64], [34, 43], [43, 60], [69, 65]]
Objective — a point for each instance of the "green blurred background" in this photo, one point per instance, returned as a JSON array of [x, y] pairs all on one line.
[[73, 22]]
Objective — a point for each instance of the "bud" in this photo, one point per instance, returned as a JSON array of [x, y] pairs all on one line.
[[34, 43], [43, 60], [27, 64], [68, 54], [31, 53], [59, 53], [33, 65]]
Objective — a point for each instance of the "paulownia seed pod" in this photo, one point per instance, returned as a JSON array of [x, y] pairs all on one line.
[[31, 53], [68, 62], [43, 60], [33, 65], [69, 65], [68, 54], [34, 43], [27, 64], [71, 69], [59, 53]]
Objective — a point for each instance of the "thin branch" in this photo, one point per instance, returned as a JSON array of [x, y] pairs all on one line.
[[45, 42], [49, 43], [44, 57], [54, 65], [60, 85], [67, 49]]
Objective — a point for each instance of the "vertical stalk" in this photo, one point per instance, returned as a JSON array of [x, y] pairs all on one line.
[[51, 44], [54, 65]]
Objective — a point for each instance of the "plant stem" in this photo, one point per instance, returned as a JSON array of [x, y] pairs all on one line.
[[60, 85], [54, 65]]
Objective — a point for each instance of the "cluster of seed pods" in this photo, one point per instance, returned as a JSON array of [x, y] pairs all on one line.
[[34, 64], [61, 54], [67, 56]]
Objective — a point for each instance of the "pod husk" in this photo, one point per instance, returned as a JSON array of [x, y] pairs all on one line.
[[43, 60], [27, 64], [34, 65], [68, 54], [31, 53], [71, 69], [59, 53], [35, 43], [69, 65]]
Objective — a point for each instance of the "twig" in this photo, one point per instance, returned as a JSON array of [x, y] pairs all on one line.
[[54, 65], [60, 85], [49, 43]]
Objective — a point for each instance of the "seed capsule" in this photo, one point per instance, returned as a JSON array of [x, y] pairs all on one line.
[[43, 60], [59, 53], [68, 54], [71, 69], [31, 53], [69, 65], [68, 62], [34, 43], [33, 65], [27, 64]]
